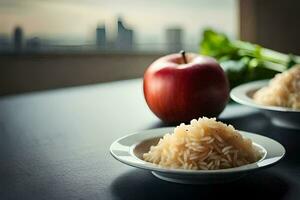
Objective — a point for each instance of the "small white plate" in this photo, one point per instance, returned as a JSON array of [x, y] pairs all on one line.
[[129, 150], [280, 116]]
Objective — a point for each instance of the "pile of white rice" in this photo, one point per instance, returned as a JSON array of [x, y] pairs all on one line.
[[205, 144], [283, 90]]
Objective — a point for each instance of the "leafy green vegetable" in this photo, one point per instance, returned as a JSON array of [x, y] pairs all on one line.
[[243, 61]]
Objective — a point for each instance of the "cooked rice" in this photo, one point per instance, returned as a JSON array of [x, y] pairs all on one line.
[[283, 90], [205, 144]]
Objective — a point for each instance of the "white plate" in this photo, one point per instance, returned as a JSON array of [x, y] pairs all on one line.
[[280, 116], [129, 150]]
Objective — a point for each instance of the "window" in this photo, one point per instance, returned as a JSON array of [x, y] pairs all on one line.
[[56, 43], [111, 25]]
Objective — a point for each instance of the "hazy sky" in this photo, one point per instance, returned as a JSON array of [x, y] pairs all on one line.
[[76, 20]]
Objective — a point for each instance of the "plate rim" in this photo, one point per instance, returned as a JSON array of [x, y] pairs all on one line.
[[153, 167], [238, 94]]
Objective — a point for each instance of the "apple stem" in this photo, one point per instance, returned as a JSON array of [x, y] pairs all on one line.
[[182, 52]]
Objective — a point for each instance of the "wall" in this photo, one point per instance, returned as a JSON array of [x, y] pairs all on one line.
[[25, 73], [271, 23]]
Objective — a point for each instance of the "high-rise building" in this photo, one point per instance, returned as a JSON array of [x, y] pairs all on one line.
[[18, 39], [101, 36], [125, 37], [174, 39]]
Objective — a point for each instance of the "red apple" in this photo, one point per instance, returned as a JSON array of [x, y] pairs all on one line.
[[180, 87]]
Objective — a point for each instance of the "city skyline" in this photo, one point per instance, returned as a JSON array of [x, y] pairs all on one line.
[[74, 22], [124, 41]]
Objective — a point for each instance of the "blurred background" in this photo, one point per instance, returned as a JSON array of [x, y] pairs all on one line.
[[47, 44]]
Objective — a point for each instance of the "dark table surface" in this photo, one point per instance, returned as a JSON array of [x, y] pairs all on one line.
[[55, 145]]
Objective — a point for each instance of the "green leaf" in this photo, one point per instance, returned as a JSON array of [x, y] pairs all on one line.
[[235, 70], [215, 44], [244, 61]]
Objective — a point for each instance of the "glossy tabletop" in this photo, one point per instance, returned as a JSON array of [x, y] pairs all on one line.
[[55, 145]]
